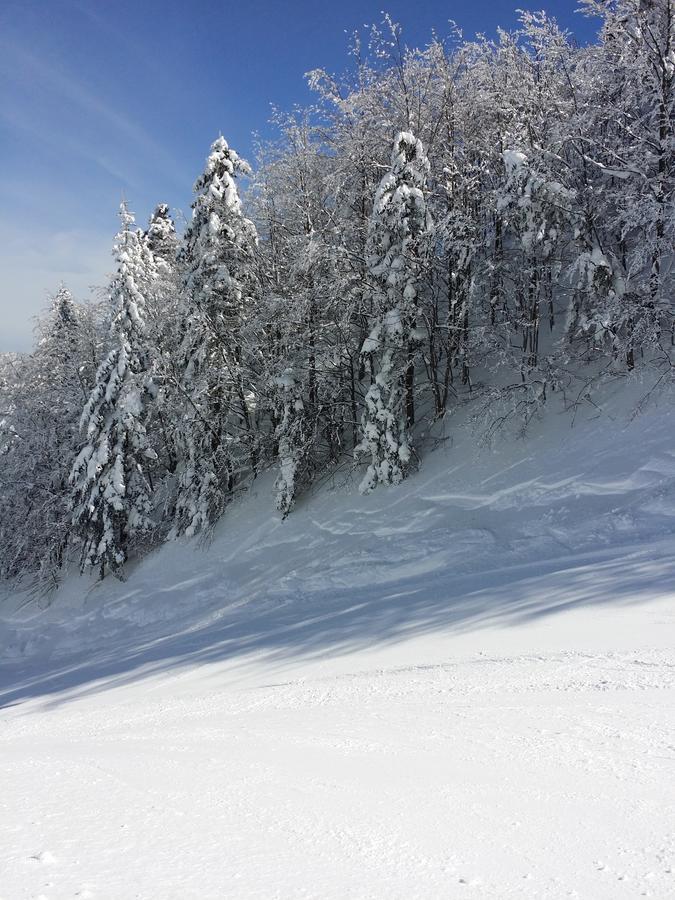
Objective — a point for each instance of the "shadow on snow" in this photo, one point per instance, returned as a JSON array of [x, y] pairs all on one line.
[[270, 630]]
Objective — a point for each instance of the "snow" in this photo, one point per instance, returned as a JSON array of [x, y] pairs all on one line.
[[463, 686], [514, 160]]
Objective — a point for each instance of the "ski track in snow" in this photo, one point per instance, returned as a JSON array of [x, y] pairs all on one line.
[[463, 687]]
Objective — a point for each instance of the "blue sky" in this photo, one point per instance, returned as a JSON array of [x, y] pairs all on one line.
[[100, 98]]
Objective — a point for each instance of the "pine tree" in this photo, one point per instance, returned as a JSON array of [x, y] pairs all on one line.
[[219, 441], [164, 335], [161, 235], [39, 440], [112, 495]]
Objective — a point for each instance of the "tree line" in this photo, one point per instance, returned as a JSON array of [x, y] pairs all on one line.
[[475, 222]]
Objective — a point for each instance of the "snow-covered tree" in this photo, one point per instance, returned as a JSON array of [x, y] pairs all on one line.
[[529, 176], [112, 500], [396, 251], [626, 272], [305, 310], [164, 334], [219, 441], [39, 440]]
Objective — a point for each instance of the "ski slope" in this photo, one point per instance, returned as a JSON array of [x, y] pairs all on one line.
[[460, 687]]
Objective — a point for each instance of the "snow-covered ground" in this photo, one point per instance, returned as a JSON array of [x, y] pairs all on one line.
[[462, 687]]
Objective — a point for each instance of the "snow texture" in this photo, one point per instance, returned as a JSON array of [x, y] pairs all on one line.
[[460, 687]]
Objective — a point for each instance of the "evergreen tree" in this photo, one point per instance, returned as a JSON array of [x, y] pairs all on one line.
[[112, 494], [161, 236], [164, 335], [41, 440], [528, 176], [219, 441]]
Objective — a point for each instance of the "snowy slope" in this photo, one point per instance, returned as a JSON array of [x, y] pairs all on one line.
[[464, 686]]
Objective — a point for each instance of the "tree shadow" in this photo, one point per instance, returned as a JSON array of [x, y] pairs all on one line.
[[271, 631]]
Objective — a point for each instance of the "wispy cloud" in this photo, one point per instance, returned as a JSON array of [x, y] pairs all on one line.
[[17, 120], [71, 147], [24, 66], [149, 64]]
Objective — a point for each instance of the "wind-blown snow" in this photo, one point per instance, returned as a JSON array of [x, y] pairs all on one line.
[[463, 686]]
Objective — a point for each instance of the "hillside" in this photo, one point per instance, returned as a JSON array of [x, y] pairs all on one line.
[[461, 686]]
